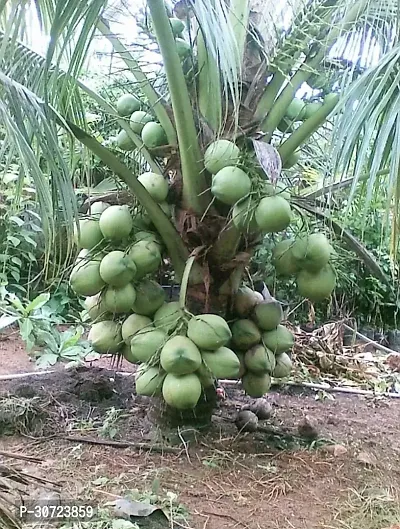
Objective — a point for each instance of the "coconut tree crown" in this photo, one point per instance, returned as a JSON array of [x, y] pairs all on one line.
[[217, 152]]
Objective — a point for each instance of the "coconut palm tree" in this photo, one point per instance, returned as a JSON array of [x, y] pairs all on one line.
[[236, 73]]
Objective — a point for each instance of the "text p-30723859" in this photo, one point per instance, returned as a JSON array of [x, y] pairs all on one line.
[[56, 511]]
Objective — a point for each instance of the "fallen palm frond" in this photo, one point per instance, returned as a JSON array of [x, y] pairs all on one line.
[[14, 489], [321, 355]]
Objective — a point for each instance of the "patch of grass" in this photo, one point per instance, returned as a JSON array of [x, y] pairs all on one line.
[[109, 428], [106, 427], [19, 415], [370, 508]]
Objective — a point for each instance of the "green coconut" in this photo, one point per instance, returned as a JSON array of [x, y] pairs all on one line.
[[124, 142], [259, 359], [116, 223], [279, 340], [311, 109], [146, 342], [206, 377], [117, 269], [133, 324], [285, 126], [85, 255], [105, 337], [255, 385], [245, 334], [283, 259], [149, 381], [141, 219], [209, 331], [220, 154], [89, 234], [183, 48], [177, 26], [168, 316], [149, 297], [273, 214], [97, 208], [292, 159], [119, 299], [277, 189], [128, 355], [316, 286], [243, 216], [85, 278], [245, 300], [155, 184], [181, 391], [268, 314], [313, 251], [296, 110], [147, 257], [180, 356], [127, 104], [138, 120], [167, 208], [223, 363], [283, 366], [230, 184], [153, 135], [148, 236], [242, 369], [94, 308]]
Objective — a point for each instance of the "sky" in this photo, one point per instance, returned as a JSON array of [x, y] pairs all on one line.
[[124, 26]]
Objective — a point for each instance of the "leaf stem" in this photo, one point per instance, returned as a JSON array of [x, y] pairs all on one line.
[[153, 97], [193, 177], [176, 248]]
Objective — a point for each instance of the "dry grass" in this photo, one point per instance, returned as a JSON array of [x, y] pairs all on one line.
[[370, 508], [19, 415]]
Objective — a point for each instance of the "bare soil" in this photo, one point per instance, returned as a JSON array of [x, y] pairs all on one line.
[[223, 479], [14, 358]]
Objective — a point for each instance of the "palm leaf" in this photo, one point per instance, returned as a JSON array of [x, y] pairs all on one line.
[[367, 133], [213, 17], [28, 68], [31, 130]]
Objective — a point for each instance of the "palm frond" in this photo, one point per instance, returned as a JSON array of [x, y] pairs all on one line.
[[31, 131], [367, 132], [14, 486], [29, 68], [214, 21]]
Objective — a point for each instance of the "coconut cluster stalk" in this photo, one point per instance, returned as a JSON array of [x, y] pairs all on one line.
[[306, 129], [277, 110]]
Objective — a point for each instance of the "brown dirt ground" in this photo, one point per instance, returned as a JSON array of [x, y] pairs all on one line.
[[224, 480], [14, 359]]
